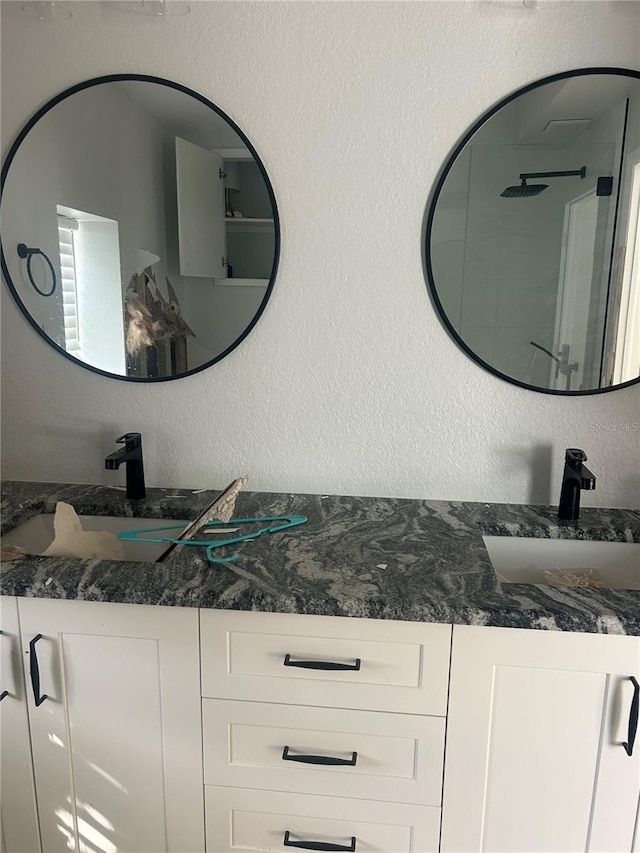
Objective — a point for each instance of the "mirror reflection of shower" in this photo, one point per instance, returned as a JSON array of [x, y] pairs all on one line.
[[563, 365], [534, 236], [525, 190]]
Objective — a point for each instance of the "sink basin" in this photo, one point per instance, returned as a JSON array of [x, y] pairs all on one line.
[[36, 534], [565, 562]]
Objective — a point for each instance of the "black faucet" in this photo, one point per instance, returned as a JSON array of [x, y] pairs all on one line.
[[131, 454], [575, 477]]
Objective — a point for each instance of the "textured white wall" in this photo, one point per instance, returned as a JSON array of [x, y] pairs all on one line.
[[348, 384]]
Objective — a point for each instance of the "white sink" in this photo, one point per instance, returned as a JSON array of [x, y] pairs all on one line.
[[35, 535], [565, 562]]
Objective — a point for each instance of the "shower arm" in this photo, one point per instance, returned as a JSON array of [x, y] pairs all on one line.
[[526, 175]]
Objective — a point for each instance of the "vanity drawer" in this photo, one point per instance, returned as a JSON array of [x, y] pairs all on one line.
[[240, 819], [395, 757], [325, 661]]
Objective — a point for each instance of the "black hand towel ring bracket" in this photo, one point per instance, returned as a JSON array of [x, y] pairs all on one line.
[[25, 252]]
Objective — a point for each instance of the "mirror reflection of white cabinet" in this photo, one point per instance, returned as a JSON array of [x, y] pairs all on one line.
[[249, 236], [225, 215], [116, 744], [201, 227], [535, 729]]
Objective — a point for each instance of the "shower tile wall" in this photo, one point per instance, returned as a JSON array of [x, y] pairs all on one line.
[[498, 259], [513, 246]]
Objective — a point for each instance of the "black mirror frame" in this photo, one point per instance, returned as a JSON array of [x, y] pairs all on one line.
[[111, 78], [430, 213]]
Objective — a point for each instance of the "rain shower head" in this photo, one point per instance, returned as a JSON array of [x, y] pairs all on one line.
[[525, 190]]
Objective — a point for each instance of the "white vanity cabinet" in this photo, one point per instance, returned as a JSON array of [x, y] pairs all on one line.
[[534, 742], [169, 730], [322, 731], [114, 718], [19, 815]]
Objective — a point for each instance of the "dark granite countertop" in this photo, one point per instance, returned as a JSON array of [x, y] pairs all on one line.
[[382, 558]]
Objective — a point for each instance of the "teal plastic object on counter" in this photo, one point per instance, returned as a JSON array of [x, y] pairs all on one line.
[[287, 521]]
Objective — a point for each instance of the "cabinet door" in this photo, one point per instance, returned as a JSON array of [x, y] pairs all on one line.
[[201, 227], [534, 755], [117, 741], [18, 800]]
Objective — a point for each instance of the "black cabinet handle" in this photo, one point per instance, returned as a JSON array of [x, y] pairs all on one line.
[[34, 670], [633, 717], [4, 692], [321, 664], [320, 759], [320, 845]]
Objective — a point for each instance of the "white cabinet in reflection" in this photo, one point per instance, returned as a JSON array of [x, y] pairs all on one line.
[[201, 226], [225, 215]]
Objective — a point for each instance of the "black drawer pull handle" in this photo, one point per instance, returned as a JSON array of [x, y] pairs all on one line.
[[320, 759], [320, 845], [633, 717], [34, 670], [4, 692], [322, 664]]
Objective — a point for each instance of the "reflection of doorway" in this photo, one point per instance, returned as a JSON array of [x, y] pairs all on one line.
[[627, 345], [580, 288]]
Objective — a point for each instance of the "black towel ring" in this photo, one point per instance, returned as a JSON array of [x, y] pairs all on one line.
[[25, 252]]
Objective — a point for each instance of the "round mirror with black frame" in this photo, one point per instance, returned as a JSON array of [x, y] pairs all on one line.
[[138, 227], [532, 235]]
